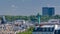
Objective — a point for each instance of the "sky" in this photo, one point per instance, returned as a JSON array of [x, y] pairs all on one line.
[[27, 7]]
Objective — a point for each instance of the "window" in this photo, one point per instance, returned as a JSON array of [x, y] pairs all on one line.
[[43, 29], [50, 29]]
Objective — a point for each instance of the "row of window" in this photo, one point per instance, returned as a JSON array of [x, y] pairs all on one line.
[[42, 33], [44, 29]]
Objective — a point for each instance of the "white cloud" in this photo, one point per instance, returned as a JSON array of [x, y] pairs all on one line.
[[25, 0], [13, 6]]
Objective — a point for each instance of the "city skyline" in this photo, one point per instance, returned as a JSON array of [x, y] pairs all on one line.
[[27, 7]]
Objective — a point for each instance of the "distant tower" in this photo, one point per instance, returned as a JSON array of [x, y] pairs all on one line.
[[48, 11], [39, 17], [3, 20]]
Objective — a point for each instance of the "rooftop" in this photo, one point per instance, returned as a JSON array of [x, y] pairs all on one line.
[[47, 26]]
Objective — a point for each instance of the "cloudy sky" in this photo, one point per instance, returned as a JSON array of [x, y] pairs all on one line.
[[27, 7]]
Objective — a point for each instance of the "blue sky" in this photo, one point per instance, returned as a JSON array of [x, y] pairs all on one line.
[[27, 7]]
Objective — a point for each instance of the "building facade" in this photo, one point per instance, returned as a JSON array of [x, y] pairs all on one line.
[[43, 30], [48, 11], [54, 21], [47, 29]]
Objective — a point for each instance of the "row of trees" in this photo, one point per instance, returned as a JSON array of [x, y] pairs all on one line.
[[32, 17], [12, 18]]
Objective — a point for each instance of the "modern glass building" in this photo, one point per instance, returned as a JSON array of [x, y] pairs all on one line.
[[48, 11]]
